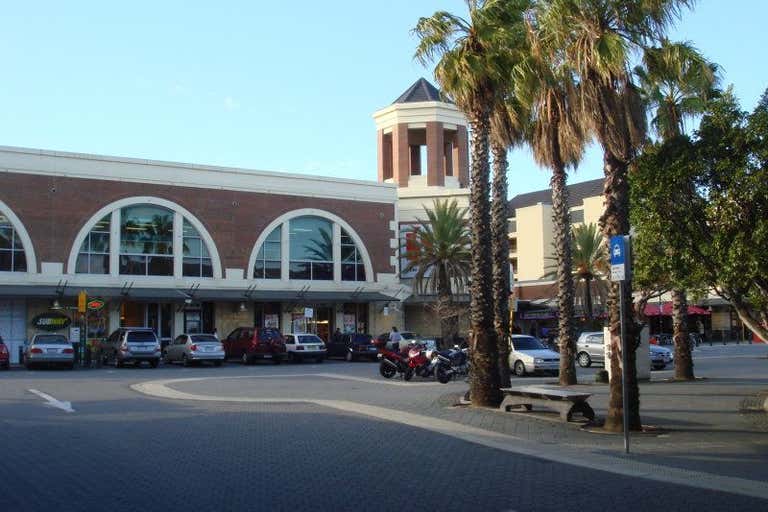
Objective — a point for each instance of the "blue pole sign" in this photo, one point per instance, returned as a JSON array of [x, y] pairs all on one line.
[[620, 259]]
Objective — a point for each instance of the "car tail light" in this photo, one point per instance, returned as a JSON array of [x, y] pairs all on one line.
[[299, 348], [3, 350], [193, 347], [124, 347], [158, 348], [36, 351], [68, 351]]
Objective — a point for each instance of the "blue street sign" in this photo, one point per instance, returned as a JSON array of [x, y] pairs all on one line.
[[620, 259]]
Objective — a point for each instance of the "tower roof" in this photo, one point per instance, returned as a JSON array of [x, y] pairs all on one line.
[[421, 90]]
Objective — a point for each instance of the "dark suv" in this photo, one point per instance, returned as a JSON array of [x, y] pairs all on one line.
[[131, 345], [251, 343], [353, 346], [5, 356]]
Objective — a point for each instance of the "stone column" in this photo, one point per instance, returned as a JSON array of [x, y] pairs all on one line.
[[435, 157], [401, 154], [461, 156]]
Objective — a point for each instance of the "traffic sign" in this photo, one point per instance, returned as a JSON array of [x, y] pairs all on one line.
[[620, 258]]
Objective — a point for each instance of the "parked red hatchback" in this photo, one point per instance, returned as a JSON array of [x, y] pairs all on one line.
[[249, 343], [5, 356]]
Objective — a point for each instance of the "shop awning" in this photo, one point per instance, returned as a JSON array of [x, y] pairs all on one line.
[[665, 309], [181, 295]]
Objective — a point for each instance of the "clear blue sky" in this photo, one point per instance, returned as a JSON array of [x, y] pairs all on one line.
[[262, 85]]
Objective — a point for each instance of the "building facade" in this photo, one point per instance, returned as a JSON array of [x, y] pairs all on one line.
[[191, 248]]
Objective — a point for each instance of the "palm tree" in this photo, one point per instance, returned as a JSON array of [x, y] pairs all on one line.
[[440, 257], [507, 131], [597, 38], [676, 81], [471, 61], [557, 139], [589, 268]]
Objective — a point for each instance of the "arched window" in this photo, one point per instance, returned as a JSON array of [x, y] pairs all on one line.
[[145, 237], [352, 267], [12, 255], [269, 256], [311, 249], [93, 257], [146, 241], [320, 247]]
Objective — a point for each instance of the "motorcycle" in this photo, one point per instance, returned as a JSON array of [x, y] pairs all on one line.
[[428, 363], [392, 363], [458, 358]]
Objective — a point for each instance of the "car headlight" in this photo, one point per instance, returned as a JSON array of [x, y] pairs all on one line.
[[538, 361]]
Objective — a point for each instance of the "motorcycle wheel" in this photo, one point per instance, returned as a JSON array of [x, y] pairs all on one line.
[[443, 375], [408, 374], [387, 371]]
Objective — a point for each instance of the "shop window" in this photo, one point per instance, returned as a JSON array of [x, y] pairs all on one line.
[[311, 248], [93, 257], [268, 259], [352, 268], [12, 256], [146, 241], [197, 260]]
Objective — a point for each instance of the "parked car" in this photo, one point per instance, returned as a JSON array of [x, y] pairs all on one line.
[[131, 345], [195, 348], [660, 357], [305, 346], [407, 336], [5, 356], [353, 346], [529, 355], [251, 343], [49, 349], [590, 349]]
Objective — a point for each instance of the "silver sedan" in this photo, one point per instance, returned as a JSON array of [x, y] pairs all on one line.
[[45, 349], [193, 348]]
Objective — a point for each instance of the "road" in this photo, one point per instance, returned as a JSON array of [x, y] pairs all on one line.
[[314, 446]]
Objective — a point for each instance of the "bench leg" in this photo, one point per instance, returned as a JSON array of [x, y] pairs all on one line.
[[514, 401], [585, 409]]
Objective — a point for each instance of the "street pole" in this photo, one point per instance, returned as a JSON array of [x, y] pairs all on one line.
[[624, 366]]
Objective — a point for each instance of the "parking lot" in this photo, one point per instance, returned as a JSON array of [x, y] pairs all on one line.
[[337, 435]]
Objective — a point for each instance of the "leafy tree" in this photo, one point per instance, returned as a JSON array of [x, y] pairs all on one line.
[[597, 38], [440, 256], [471, 59], [675, 82]]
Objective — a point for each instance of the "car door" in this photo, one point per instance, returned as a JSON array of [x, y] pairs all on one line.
[[594, 347], [230, 343], [290, 343], [171, 350], [244, 341]]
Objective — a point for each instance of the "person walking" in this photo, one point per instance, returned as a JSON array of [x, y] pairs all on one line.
[[394, 339]]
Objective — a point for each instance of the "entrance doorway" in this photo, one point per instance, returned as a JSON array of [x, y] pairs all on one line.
[[313, 319], [157, 316]]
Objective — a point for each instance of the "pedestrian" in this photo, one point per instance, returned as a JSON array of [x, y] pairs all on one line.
[[215, 333], [395, 338], [336, 336]]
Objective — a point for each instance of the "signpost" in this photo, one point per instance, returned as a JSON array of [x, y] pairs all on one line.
[[621, 271]]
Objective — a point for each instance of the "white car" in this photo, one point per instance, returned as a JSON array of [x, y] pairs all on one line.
[[305, 346], [529, 355], [190, 349]]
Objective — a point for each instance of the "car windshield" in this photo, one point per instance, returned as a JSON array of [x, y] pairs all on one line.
[[407, 335], [141, 337], [50, 339], [204, 338], [309, 339], [527, 343], [269, 334]]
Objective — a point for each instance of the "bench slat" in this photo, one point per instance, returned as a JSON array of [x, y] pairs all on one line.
[[546, 392]]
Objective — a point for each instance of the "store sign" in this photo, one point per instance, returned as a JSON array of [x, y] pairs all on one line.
[[96, 304], [309, 313], [51, 321]]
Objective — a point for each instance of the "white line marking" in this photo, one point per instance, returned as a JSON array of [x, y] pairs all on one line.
[[64, 406], [504, 442]]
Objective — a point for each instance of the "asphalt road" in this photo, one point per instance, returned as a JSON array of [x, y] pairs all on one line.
[[121, 450]]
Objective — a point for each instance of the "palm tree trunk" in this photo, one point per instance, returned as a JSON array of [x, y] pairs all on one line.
[[484, 382], [615, 221], [448, 319], [561, 221], [500, 249], [590, 314], [683, 359]]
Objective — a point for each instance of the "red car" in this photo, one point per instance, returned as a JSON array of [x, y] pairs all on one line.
[[251, 343], [5, 356]]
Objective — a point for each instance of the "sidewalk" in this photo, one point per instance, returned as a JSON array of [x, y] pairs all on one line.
[[703, 426]]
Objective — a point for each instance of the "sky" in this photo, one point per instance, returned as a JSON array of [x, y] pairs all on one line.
[[282, 86]]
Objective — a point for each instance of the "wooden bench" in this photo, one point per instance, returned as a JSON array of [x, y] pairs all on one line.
[[566, 402]]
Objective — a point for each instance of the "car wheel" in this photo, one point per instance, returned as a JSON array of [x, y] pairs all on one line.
[[519, 368], [276, 359], [185, 362], [118, 362], [246, 360], [295, 357], [154, 363], [71, 366], [217, 363], [584, 360], [319, 360], [349, 357]]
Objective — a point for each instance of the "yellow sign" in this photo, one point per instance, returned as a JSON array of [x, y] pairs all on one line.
[[82, 299]]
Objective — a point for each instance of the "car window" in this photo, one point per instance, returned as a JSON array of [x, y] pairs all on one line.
[[595, 338], [361, 338], [179, 340], [204, 338], [310, 338], [246, 333], [407, 335], [50, 339], [141, 337], [527, 343]]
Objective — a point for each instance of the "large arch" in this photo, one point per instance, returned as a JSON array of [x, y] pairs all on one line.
[[157, 201], [314, 212], [26, 241]]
